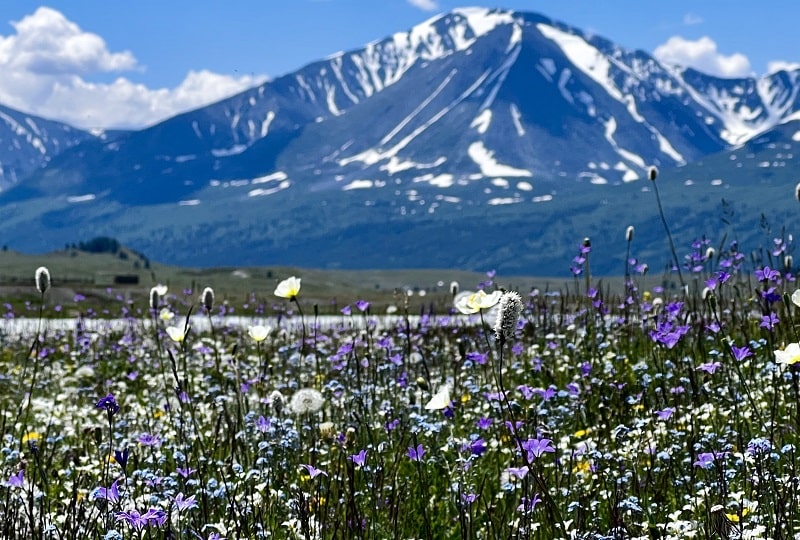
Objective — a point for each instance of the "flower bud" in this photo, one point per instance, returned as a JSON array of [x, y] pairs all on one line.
[[276, 401], [454, 288], [208, 298], [629, 233], [508, 315], [42, 279], [652, 173], [154, 296]]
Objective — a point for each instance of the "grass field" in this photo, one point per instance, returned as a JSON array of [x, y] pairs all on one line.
[[76, 272], [611, 410]]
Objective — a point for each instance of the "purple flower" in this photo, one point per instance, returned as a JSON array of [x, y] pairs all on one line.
[[362, 305], [110, 494], [313, 471], [185, 472], [518, 472], [740, 353], [109, 404], [484, 423], [155, 516], [359, 459], [528, 505], [121, 457], [477, 447], [769, 321], [184, 503], [478, 358], [706, 459], [146, 439], [262, 424], [16, 480], [536, 447], [345, 310], [545, 394], [767, 274], [133, 518], [416, 453], [468, 498], [666, 414], [709, 367]]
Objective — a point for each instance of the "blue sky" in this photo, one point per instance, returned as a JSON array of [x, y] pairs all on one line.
[[105, 64]]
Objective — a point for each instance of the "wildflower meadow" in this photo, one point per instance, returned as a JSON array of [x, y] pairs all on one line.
[[650, 412]]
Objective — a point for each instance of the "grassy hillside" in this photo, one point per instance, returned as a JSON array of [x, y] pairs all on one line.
[[101, 278]]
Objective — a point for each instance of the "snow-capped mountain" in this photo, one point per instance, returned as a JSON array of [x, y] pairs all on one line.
[[28, 142], [471, 117]]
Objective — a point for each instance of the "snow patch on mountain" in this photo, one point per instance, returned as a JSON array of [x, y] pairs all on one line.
[[482, 121], [584, 57], [260, 192], [516, 118], [489, 166]]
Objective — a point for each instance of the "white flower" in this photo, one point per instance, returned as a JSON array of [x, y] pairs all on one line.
[[176, 334], [160, 289], [440, 400], [259, 332], [306, 401], [42, 279], [789, 355], [288, 288], [796, 297], [469, 303], [166, 314]]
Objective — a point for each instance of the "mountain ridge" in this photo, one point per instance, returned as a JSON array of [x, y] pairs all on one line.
[[472, 115]]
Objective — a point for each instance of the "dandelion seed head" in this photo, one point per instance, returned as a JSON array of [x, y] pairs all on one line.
[[306, 401]]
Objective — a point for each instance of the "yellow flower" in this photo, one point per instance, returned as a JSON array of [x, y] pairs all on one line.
[[583, 432], [176, 334], [288, 288], [582, 467], [789, 355], [31, 436], [258, 332]]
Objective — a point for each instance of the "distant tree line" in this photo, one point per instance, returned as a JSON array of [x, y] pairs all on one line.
[[106, 244]]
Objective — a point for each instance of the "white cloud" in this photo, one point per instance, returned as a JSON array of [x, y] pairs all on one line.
[[778, 65], [425, 5], [702, 54], [690, 19], [46, 62]]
